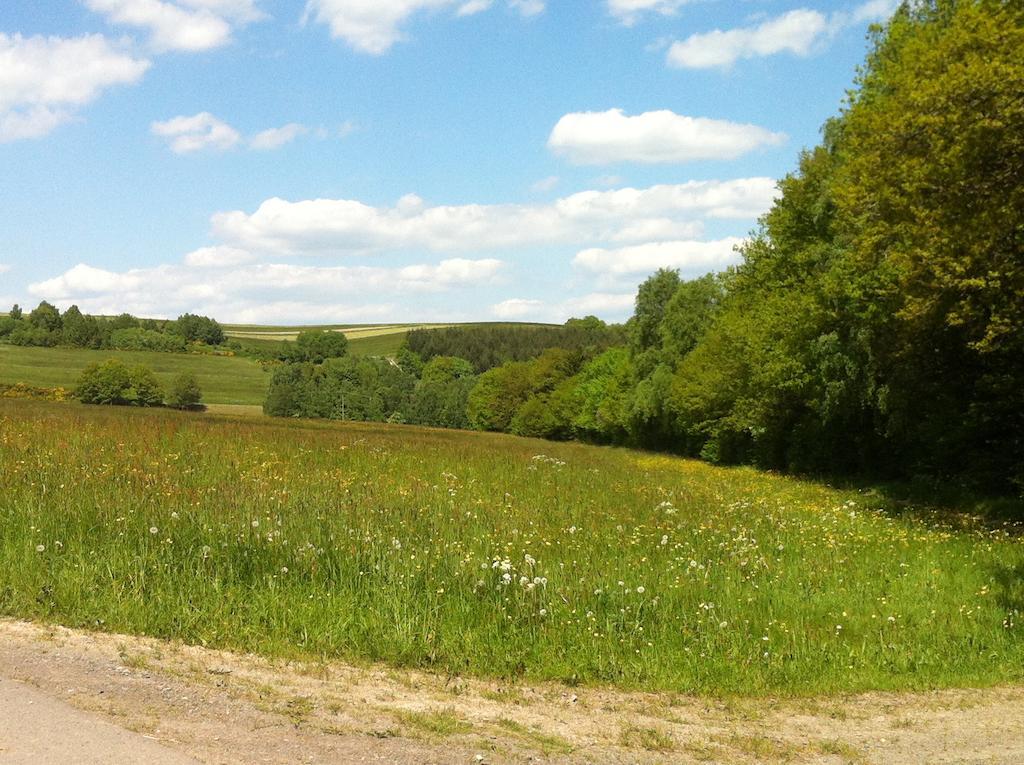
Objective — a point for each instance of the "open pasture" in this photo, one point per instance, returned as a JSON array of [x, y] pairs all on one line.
[[492, 555], [223, 379]]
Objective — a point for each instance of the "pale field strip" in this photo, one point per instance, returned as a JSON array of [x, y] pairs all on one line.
[[353, 333]]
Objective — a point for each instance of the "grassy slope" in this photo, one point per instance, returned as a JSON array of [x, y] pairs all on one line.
[[223, 379], [394, 543], [370, 345]]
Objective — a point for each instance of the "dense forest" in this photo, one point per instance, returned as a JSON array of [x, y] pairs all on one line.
[[875, 324], [488, 346]]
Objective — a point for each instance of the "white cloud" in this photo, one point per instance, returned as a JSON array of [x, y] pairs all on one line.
[[692, 258], [545, 184], [342, 226], [374, 26], [612, 306], [44, 80], [195, 133], [515, 308], [259, 292], [799, 32], [527, 7], [274, 138], [474, 6], [629, 11], [240, 11], [598, 138], [794, 32], [184, 25], [369, 26], [4, 268], [217, 257]]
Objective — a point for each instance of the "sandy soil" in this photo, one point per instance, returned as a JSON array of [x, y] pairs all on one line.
[[226, 708]]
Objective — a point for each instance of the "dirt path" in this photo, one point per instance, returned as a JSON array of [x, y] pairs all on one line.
[[217, 707], [37, 729]]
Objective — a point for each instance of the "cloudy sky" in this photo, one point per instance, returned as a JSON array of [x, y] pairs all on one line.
[[398, 160]]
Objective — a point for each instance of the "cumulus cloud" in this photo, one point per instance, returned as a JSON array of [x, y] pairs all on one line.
[[186, 135], [692, 258], [258, 292], [218, 256], [798, 32], [606, 305], [598, 138], [516, 308], [183, 25], [472, 7], [342, 226], [630, 11], [45, 80], [374, 26], [794, 32], [274, 138]]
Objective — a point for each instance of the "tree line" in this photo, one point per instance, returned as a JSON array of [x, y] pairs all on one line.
[[488, 345], [46, 326]]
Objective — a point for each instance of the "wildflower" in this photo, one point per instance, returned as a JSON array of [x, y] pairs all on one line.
[[40, 548], [154, 530], [640, 590], [543, 612], [255, 523], [284, 569]]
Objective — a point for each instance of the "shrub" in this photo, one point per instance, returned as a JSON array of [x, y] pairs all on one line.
[[112, 382], [201, 329], [136, 339], [185, 392], [21, 390]]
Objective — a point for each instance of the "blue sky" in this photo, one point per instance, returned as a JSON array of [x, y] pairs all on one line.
[[398, 160]]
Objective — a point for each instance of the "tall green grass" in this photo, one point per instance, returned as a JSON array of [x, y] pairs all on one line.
[[492, 555]]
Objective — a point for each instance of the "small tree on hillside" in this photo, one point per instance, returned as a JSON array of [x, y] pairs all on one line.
[[112, 382], [184, 392]]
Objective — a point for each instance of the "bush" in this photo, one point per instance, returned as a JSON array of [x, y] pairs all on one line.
[[136, 339], [112, 382], [21, 390], [198, 329], [316, 346], [185, 392]]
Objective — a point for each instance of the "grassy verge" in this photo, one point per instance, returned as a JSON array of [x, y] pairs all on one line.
[[492, 555], [223, 379]]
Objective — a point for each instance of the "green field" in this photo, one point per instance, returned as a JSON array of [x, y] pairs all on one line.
[[223, 379], [493, 555], [364, 339], [387, 344]]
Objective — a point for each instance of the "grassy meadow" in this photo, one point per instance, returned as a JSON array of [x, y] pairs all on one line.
[[492, 555], [223, 379]]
